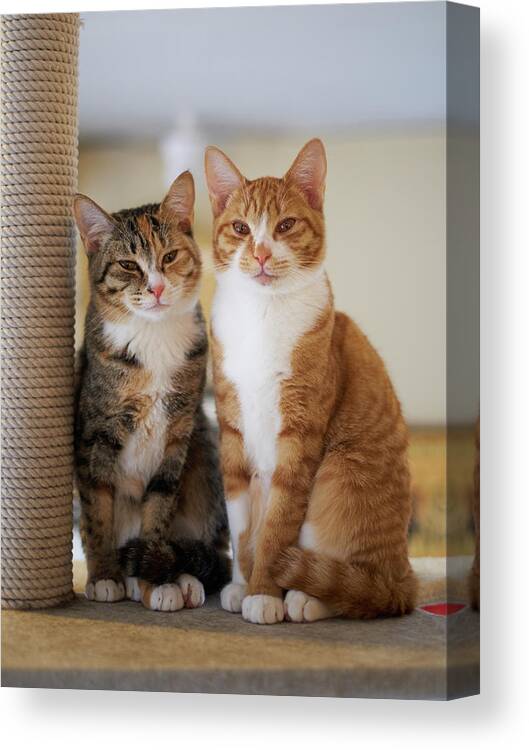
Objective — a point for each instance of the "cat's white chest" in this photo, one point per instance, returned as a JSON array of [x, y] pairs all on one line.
[[258, 334], [256, 367], [160, 347]]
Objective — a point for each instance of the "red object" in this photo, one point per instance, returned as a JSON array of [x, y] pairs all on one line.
[[443, 609]]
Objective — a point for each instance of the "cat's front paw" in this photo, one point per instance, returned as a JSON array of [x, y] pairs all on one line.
[[192, 591], [231, 597], [263, 609], [300, 607], [165, 598], [105, 590]]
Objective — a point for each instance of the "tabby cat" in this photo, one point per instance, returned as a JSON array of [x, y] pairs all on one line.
[[313, 442], [153, 519]]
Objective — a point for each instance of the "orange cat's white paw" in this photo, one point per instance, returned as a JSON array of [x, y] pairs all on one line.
[[231, 597], [165, 598], [104, 590], [192, 591], [263, 609], [132, 589], [300, 607]]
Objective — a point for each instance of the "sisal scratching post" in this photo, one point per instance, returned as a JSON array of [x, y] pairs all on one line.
[[38, 177]]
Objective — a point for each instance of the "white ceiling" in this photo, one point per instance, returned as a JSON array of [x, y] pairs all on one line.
[[314, 68]]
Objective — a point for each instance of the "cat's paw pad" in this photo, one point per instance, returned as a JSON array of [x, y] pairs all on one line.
[[192, 591], [165, 598], [132, 589], [105, 590], [231, 597], [300, 607], [263, 609]]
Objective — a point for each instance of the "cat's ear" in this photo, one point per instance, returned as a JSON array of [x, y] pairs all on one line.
[[223, 178], [178, 204], [308, 172], [94, 224]]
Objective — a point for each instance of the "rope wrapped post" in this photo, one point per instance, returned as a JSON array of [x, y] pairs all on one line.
[[39, 158]]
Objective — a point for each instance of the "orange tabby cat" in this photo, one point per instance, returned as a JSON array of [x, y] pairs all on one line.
[[313, 443]]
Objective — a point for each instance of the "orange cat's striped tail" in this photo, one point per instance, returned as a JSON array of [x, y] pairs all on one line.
[[350, 589]]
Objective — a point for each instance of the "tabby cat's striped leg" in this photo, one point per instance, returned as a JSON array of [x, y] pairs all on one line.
[[99, 441], [160, 500], [104, 582], [159, 506]]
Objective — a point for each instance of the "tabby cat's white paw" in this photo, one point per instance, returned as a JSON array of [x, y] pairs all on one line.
[[300, 607], [132, 589], [231, 597], [166, 598], [263, 609], [192, 591], [104, 590]]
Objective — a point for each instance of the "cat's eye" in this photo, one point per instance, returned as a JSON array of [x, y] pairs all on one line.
[[169, 257], [285, 225], [241, 228], [128, 265]]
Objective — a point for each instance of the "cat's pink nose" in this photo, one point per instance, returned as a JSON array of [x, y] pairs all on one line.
[[157, 290], [261, 253]]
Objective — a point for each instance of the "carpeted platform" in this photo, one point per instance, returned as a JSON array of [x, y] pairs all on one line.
[[122, 646]]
